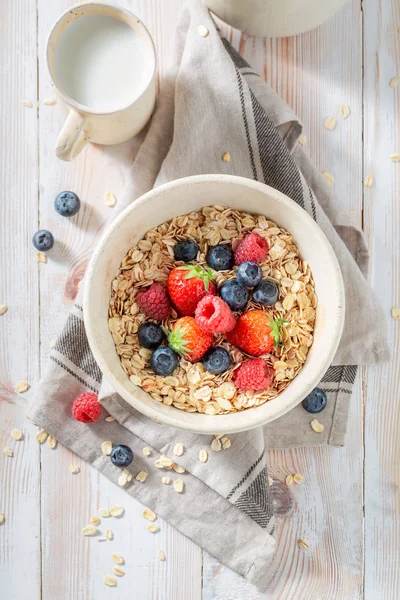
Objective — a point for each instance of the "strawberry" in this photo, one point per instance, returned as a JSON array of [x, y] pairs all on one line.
[[187, 285], [253, 374], [256, 333], [188, 340]]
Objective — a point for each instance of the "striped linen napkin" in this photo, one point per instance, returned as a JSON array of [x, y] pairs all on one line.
[[212, 101]]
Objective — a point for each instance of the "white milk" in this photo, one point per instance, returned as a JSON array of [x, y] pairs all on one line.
[[102, 63]]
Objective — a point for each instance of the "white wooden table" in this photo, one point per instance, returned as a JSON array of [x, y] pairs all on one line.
[[348, 506]]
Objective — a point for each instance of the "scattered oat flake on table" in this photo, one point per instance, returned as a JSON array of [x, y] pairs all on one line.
[[298, 478], [352, 213], [330, 123], [394, 82], [270, 480], [40, 257], [317, 426], [146, 452], [3, 309], [165, 461], [178, 469], [16, 434], [128, 475], [178, 449], [122, 480], [161, 555], [49, 101], [110, 419], [395, 157], [152, 528], [203, 456], [368, 181], [21, 387], [109, 534], [117, 558], [117, 511], [94, 520], [226, 157], [289, 480], [344, 111], [8, 452], [52, 343], [203, 31], [149, 514], [89, 530], [27, 103], [51, 442], [178, 485], [118, 572], [141, 476], [110, 199], [110, 581], [330, 179], [41, 436], [396, 313], [166, 480], [303, 544], [1, 518], [216, 445], [74, 469], [103, 512], [106, 448], [303, 140], [226, 442]]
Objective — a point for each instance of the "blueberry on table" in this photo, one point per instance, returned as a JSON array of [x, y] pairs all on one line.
[[67, 204], [249, 274], [315, 402], [220, 258], [217, 361], [164, 361], [186, 250], [150, 335], [43, 240], [267, 293], [234, 294], [121, 456]]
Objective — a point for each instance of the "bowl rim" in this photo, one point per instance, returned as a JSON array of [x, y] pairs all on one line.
[[213, 426]]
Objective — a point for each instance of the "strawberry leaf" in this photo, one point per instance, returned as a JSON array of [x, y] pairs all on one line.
[[276, 330], [177, 341], [196, 272]]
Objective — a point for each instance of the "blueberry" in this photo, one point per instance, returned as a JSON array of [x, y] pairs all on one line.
[[186, 250], [266, 293], [217, 361], [249, 274], [234, 294], [150, 335], [220, 258], [315, 401], [67, 204], [43, 240], [164, 361], [121, 456]]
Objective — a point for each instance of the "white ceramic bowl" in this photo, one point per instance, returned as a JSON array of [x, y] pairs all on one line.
[[181, 197]]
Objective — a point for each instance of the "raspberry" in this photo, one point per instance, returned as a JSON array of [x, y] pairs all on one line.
[[214, 315], [86, 408], [155, 302], [253, 374], [252, 248]]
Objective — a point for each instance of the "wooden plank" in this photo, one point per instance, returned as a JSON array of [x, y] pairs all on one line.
[[74, 498], [381, 219], [315, 74], [19, 331]]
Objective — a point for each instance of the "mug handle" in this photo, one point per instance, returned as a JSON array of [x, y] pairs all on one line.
[[72, 138]]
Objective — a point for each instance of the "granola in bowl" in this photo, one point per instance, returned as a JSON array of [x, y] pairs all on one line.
[[289, 319]]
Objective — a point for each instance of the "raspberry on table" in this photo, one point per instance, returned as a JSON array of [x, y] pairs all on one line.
[[87, 408], [214, 315], [252, 248], [253, 374], [154, 302]]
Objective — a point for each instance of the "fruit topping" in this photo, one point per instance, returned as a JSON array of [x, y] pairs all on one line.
[[256, 333], [253, 374], [164, 361], [150, 335], [234, 294], [217, 360], [186, 250], [249, 274], [252, 248], [188, 340], [220, 258], [154, 302], [187, 285], [267, 293], [214, 315]]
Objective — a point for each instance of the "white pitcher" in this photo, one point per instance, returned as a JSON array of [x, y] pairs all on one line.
[[275, 18]]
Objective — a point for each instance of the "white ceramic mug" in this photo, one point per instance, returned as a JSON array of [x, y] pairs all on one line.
[[102, 62]]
